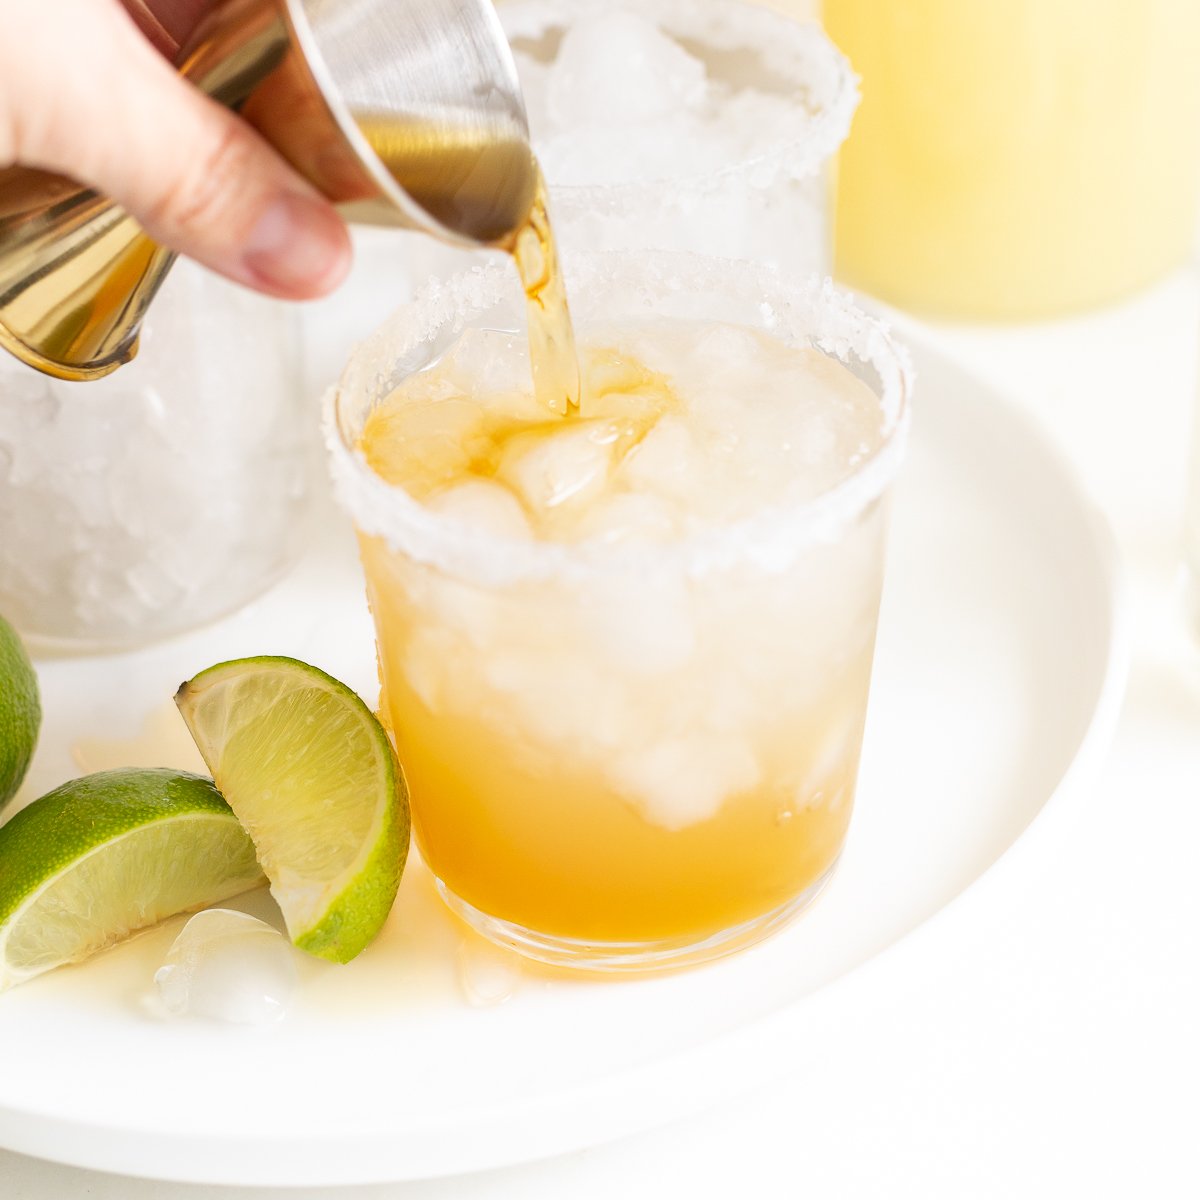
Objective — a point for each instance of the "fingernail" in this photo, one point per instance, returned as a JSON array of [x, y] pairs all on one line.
[[298, 246]]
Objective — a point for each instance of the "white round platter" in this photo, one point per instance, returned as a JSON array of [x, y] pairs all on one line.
[[1001, 663]]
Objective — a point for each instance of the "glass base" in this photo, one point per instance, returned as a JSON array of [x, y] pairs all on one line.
[[611, 957]]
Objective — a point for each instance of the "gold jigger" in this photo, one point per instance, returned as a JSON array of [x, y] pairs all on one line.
[[403, 112]]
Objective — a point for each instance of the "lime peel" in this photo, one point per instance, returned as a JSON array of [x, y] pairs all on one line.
[[312, 776], [104, 856], [20, 711]]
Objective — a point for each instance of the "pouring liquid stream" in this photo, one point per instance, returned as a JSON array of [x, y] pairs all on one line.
[[552, 351], [481, 187]]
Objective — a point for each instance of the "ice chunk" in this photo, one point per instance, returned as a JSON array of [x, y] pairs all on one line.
[[485, 506], [228, 966], [728, 348], [627, 517], [467, 611], [569, 463], [423, 444], [500, 358], [642, 625], [559, 699], [684, 780], [436, 666], [666, 461], [619, 68], [831, 763]]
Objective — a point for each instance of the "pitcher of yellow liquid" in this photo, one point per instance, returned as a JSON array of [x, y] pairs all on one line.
[[1017, 158], [407, 112]]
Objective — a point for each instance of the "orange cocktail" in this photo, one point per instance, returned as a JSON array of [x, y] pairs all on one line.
[[625, 652]]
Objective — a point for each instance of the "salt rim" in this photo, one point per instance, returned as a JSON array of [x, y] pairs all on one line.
[[770, 540], [828, 88]]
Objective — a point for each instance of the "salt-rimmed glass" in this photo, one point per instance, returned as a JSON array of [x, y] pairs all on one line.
[[760, 188], [770, 202], [763, 193], [528, 682]]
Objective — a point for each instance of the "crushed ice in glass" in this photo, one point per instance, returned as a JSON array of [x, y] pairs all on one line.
[[702, 125], [651, 91], [163, 494], [690, 427]]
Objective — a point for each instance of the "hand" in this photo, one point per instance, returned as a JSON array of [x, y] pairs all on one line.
[[86, 90]]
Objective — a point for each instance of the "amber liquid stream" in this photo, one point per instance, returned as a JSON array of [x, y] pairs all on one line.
[[482, 188], [552, 352]]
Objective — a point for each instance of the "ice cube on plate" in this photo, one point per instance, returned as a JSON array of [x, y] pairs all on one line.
[[228, 966], [484, 505]]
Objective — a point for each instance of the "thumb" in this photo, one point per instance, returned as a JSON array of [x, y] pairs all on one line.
[[195, 177]]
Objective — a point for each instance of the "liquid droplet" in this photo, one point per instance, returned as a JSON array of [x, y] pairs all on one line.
[[488, 975]]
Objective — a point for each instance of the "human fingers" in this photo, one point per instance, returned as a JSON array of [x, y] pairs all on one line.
[[89, 97]]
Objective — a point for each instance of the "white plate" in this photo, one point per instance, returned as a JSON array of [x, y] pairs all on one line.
[[1000, 667]]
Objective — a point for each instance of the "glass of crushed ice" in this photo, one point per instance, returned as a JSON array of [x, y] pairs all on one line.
[[625, 653], [702, 125], [166, 494]]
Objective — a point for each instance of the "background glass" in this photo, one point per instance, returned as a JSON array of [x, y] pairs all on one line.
[[1018, 159]]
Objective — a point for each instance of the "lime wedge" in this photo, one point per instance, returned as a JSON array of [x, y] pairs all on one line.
[[312, 776], [100, 857], [20, 711]]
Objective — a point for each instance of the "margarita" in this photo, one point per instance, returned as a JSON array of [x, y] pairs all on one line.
[[625, 653]]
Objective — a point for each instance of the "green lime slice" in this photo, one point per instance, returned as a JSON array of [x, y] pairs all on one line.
[[103, 856], [20, 711], [313, 778]]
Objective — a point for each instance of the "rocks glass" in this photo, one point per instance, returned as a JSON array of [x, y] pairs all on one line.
[[626, 753]]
